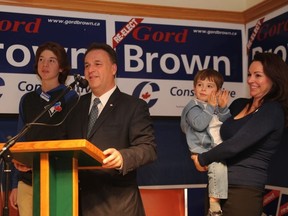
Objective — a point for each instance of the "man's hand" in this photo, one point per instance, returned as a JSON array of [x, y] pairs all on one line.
[[113, 159], [20, 166], [13, 198]]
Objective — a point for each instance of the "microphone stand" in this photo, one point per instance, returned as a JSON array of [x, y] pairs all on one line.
[[5, 153]]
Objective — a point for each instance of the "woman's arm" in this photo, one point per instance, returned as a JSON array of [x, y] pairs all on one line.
[[264, 121]]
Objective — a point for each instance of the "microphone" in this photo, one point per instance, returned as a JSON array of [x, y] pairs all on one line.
[[83, 83]]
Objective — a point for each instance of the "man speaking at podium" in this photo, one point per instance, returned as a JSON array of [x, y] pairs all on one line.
[[122, 128]]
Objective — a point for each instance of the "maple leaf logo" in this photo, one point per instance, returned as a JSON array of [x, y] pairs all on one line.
[[58, 108], [146, 95]]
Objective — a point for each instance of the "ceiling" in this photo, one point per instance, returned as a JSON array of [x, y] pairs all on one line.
[[221, 5]]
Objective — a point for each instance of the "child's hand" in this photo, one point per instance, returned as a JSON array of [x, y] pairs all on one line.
[[223, 97], [212, 99]]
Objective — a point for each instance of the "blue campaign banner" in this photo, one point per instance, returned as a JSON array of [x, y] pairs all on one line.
[[270, 202], [271, 36], [21, 34], [283, 209], [175, 52], [22, 30]]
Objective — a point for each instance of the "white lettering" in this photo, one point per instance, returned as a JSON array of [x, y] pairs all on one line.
[[280, 50], [150, 57], [28, 55], [175, 60], [195, 62], [225, 60], [10, 55], [135, 58], [170, 63], [74, 56]]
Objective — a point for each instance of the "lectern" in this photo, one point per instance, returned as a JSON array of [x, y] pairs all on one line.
[[55, 172]]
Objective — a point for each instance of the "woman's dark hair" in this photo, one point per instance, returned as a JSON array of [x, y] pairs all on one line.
[[102, 46], [61, 55], [277, 71]]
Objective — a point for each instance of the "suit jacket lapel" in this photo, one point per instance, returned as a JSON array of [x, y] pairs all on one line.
[[109, 107], [85, 109]]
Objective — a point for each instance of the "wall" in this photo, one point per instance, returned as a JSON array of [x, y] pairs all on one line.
[[153, 11]]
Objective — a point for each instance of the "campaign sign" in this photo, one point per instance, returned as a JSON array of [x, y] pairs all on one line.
[[158, 62], [271, 37], [270, 202], [173, 52], [21, 34], [283, 209], [23, 30]]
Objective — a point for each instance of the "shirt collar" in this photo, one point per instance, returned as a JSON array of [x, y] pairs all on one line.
[[105, 97]]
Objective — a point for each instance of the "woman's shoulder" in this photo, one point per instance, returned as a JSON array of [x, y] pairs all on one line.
[[239, 101], [238, 104], [272, 106], [272, 113]]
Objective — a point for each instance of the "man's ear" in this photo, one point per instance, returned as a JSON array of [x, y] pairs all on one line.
[[114, 66]]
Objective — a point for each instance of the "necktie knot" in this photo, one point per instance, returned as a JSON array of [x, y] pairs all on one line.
[[96, 101], [93, 114]]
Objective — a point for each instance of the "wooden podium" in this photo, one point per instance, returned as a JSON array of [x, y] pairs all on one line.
[[55, 172]]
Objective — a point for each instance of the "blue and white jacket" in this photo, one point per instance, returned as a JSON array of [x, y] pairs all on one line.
[[195, 119]]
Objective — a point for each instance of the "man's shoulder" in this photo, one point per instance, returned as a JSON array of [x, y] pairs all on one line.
[[127, 97], [85, 96]]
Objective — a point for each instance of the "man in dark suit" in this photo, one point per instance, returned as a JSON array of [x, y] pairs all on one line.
[[123, 131]]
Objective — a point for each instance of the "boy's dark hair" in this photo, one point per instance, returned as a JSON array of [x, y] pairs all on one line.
[[211, 75], [62, 59]]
